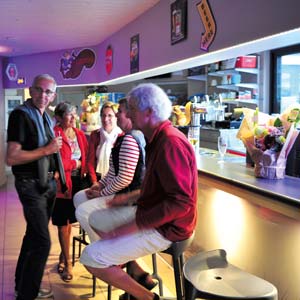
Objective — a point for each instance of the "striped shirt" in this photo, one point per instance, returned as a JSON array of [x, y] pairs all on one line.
[[128, 159]]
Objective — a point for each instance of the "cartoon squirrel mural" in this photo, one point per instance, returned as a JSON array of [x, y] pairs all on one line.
[[72, 64]]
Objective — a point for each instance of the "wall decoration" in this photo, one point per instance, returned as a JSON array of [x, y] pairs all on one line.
[[209, 24], [134, 53], [21, 80], [12, 72], [108, 59], [72, 64], [178, 21]]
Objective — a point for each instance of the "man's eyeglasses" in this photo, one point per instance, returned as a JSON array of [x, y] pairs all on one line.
[[41, 91]]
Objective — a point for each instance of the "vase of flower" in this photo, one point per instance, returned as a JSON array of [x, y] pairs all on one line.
[[268, 140]]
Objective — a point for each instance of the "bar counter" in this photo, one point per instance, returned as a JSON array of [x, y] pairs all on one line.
[[235, 171], [256, 220]]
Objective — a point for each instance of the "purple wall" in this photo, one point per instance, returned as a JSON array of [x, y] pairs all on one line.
[[1, 78], [3, 176], [238, 22], [2, 103]]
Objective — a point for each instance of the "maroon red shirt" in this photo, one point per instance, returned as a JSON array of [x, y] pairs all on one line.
[[168, 200]]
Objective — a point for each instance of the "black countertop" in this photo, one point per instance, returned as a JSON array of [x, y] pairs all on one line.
[[235, 171]]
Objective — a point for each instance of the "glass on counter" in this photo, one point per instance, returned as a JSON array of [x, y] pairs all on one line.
[[194, 137], [222, 148]]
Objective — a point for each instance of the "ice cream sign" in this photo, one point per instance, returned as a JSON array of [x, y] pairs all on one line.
[[209, 24]]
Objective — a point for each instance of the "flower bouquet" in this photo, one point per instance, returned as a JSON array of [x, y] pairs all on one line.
[[269, 139], [89, 117]]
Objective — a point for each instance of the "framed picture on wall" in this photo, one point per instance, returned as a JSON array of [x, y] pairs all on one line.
[[134, 53], [178, 21]]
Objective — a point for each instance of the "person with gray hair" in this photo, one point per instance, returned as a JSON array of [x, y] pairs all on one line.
[[165, 209], [31, 148], [151, 96]]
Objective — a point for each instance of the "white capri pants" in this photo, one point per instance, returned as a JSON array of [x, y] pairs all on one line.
[[120, 250], [84, 207], [79, 198]]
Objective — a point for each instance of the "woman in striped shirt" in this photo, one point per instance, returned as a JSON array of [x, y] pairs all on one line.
[[126, 172]]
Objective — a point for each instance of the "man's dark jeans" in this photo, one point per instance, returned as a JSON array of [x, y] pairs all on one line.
[[37, 207]]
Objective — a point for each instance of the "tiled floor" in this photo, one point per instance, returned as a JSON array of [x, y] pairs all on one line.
[[12, 227]]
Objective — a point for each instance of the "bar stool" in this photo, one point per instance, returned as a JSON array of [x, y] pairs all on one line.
[[81, 239], [176, 251], [208, 275]]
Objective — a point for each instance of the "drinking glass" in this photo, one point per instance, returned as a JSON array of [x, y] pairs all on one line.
[[193, 137], [222, 147]]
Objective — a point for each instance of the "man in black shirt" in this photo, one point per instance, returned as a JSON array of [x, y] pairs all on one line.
[[30, 151]]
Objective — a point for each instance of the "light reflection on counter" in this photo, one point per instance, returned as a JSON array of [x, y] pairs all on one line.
[[228, 218]]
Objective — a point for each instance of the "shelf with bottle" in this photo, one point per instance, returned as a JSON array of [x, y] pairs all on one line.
[[234, 78], [228, 72]]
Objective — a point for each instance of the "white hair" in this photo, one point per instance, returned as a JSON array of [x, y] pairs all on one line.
[[149, 95], [44, 76]]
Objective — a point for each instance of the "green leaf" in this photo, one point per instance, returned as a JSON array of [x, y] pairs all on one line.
[[277, 123]]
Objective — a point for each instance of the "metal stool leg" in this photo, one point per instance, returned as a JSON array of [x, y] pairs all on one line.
[[81, 239], [94, 286], [155, 274], [178, 276], [190, 291], [109, 292], [73, 252]]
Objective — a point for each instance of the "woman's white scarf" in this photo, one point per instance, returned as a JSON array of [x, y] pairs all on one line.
[[107, 141]]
